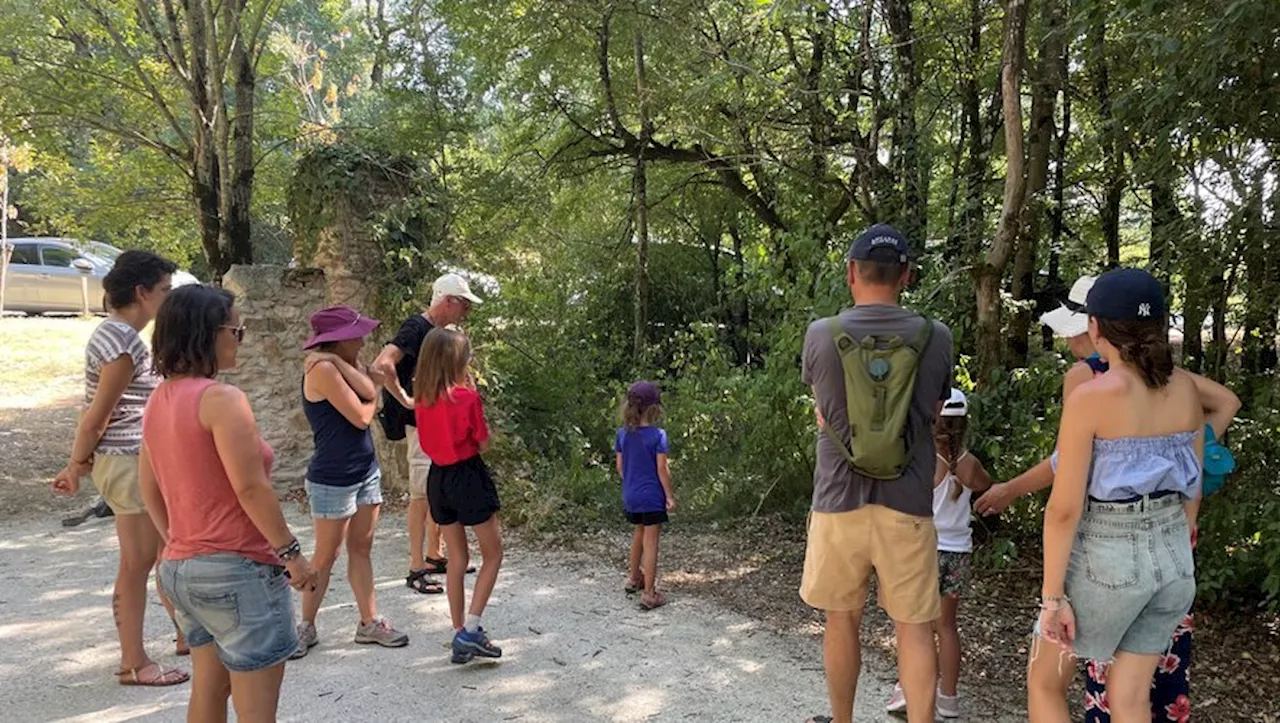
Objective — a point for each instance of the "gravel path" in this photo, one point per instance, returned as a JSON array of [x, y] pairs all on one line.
[[576, 649]]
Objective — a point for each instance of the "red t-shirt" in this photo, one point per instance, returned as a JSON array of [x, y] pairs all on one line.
[[452, 429]]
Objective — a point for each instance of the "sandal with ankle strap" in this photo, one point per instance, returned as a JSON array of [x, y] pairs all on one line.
[[437, 566], [163, 677], [418, 581]]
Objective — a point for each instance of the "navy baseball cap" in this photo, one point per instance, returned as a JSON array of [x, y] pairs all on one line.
[[1126, 295], [881, 242]]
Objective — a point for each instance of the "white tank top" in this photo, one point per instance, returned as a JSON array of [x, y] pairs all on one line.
[[952, 516]]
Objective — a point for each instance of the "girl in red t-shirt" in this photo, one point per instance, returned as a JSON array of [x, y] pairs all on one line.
[[460, 491]]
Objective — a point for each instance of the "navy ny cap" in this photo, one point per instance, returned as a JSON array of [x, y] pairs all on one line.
[[883, 241], [1126, 295]]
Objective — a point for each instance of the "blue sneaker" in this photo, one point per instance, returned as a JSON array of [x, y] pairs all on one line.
[[472, 645]]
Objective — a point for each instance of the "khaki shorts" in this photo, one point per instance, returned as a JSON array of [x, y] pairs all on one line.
[[419, 465], [844, 548], [116, 477]]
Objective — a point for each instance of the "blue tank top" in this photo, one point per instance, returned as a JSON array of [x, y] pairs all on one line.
[[1134, 466], [1096, 363], [344, 454]]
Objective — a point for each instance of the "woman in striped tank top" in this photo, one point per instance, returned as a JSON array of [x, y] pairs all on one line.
[[118, 383]]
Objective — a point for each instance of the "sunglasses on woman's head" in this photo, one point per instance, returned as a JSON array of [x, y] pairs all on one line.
[[236, 331]]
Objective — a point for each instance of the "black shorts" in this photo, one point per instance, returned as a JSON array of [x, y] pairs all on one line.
[[647, 518], [462, 493]]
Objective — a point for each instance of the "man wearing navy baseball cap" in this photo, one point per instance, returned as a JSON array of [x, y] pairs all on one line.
[[865, 519], [881, 243]]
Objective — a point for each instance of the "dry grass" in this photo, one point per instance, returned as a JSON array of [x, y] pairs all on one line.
[[43, 360], [41, 385]]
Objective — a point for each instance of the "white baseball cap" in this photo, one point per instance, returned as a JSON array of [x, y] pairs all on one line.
[[957, 405], [1069, 320], [453, 285]]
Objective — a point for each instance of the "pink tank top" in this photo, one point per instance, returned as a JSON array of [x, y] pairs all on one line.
[[205, 516]]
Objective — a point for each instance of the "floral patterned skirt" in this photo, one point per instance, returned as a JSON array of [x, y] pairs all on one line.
[[1170, 688]]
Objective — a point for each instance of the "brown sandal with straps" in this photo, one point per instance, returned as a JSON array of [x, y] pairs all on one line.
[[163, 677]]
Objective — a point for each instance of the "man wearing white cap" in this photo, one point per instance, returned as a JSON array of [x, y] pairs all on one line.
[[451, 302]]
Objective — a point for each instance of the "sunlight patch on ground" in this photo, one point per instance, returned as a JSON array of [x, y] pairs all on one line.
[[694, 578], [43, 360], [120, 713]]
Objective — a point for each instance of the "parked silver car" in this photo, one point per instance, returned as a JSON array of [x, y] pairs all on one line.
[[44, 274]]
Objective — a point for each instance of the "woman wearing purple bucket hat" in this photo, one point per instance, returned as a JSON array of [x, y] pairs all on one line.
[[344, 483]]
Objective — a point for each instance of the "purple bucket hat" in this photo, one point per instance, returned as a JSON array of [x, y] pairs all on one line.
[[339, 323], [645, 394]]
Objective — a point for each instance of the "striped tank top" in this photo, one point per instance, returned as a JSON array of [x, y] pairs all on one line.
[[110, 341]]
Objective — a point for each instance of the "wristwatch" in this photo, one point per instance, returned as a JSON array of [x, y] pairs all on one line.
[[289, 551]]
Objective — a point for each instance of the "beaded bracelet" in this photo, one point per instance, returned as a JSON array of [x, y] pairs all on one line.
[[1054, 602]]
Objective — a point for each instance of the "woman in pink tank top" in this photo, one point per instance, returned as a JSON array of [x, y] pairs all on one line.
[[229, 556]]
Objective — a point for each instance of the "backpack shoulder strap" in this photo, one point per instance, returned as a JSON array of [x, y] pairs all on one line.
[[921, 342], [845, 348], [845, 344]]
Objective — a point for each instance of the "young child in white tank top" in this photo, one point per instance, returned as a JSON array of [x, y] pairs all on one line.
[[957, 477]]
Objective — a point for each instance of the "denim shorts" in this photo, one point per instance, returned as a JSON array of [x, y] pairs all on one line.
[[1131, 578], [331, 502], [244, 608]]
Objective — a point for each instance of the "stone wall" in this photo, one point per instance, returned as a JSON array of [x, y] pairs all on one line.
[[274, 303]]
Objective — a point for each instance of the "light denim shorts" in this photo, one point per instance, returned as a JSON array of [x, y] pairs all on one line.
[[242, 607], [1131, 578], [331, 502]]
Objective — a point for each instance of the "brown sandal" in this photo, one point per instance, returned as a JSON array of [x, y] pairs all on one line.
[[658, 600], [162, 678]]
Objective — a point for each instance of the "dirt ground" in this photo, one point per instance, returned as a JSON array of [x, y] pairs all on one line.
[[753, 566], [41, 388], [749, 568]]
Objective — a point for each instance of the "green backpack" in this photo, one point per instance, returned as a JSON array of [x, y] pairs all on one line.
[[879, 381]]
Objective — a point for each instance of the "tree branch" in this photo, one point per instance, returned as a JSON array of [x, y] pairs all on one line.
[[156, 97], [611, 104], [144, 12]]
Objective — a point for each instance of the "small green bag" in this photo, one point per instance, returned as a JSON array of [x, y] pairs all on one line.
[[879, 381]]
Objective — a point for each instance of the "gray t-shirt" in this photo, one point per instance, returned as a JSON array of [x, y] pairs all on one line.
[[836, 487]]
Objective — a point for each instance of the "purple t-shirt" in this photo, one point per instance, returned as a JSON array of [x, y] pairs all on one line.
[[641, 488]]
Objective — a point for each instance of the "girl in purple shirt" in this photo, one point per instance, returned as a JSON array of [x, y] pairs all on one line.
[[641, 449]]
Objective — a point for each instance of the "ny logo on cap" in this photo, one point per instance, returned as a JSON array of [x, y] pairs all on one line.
[[1144, 309]]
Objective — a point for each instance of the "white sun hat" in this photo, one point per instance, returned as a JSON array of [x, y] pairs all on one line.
[[1068, 321]]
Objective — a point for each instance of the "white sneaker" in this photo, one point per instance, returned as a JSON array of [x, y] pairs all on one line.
[[898, 702], [948, 706]]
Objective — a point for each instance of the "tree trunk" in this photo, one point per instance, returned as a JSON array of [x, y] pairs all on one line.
[[1047, 80], [206, 183], [1219, 289], [1195, 306], [639, 187], [906, 140], [240, 190], [1113, 159], [741, 302], [1166, 220], [639, 192], [968, 238], [1057, 222], [1258, 358], [990, 273]]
